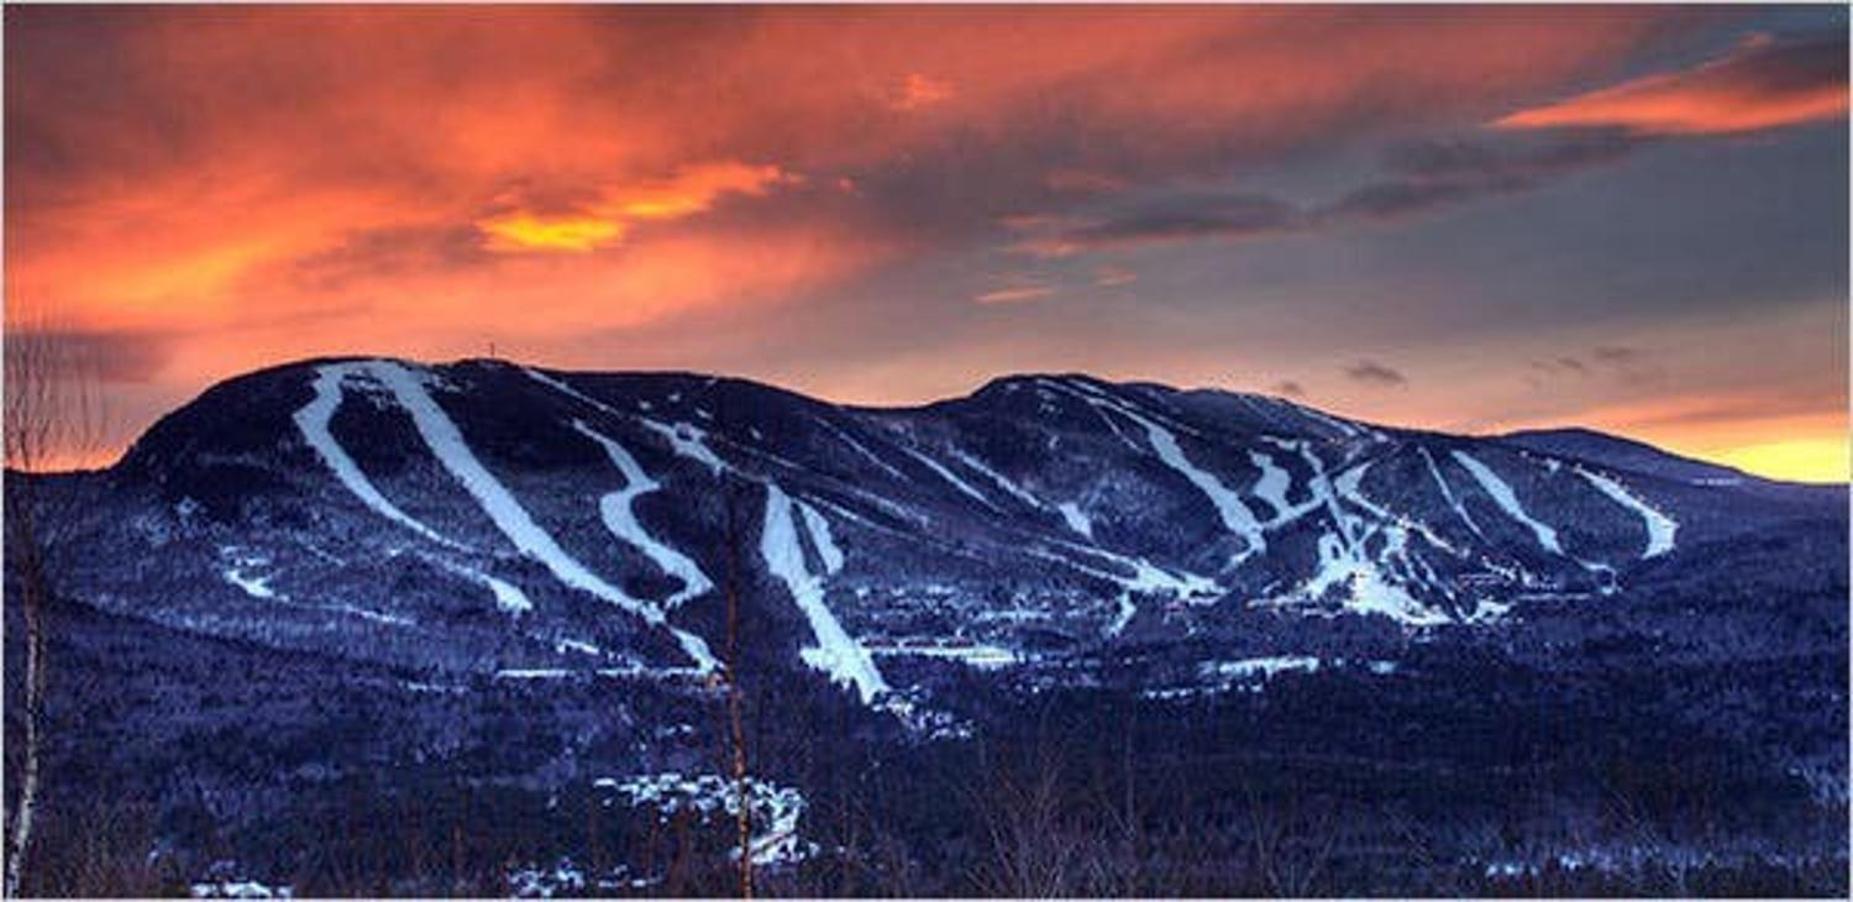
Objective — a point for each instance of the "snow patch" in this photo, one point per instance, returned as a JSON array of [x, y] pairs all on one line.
[[773, 811]]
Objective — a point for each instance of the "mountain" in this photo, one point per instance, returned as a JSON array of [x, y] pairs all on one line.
[[471, 534]]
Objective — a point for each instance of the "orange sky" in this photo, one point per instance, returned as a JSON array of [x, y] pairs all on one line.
[[892, 204]]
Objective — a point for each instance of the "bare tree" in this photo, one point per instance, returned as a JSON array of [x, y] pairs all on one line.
[[736, 726], [54, 415]]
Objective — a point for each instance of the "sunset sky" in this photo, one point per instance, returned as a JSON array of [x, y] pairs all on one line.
[[1464, 218]]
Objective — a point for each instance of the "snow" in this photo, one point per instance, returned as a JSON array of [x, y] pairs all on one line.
[[1147, 577], [690, 441], [618, 510], [862, 449], [687, 439], [821, 538], [1273, 484], [978, 656], [1447, 493], [1350, 430], [836, 652], [238, 889], [949, 476], [254, 586], [1076, 518], [565, 389], [1124, 612], [1660, 527], [1015, 490], [773, 811], [446, 443], [1266, 667], [1229, 506], [508, 598], [1342, 564], [1507, 500], [313, 419]]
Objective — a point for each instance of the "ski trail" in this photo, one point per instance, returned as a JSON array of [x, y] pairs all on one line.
[[1235, 515], [949, 476], [447, 445], [862, 449], [821, 537], [618, 510], [1273, 485], [571, 392], [1502, 494], [313, 420], [1660, 527], [688, 440], [1020, 493], [1448, 493], [836, 653]]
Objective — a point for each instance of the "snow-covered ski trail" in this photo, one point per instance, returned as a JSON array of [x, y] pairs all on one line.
[[446, 443]]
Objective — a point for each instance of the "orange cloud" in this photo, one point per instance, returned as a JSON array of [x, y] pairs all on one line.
[[527, 232], [692, 190], [1763, 84], [921, 91]]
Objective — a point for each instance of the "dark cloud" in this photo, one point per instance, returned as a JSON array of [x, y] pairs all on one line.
[[1501, 160], [1617, 355], [1289, 388], [1373, 373], [1426, 176], [1443, 172]]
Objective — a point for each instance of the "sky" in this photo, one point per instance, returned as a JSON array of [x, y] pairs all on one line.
[[1464, 218]]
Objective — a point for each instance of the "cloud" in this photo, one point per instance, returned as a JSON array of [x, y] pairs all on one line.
[[690, 190], [265, 183], [1289, 388], [1617, 354], [1425, 176], [1763, 83], [1435, 174], [1178, 218], [1017, 295], [917, 91], [1082, 181], [1371, 372], [1114, 276]]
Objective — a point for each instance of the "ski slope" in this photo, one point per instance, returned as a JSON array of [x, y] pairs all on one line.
[[447, 445]]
